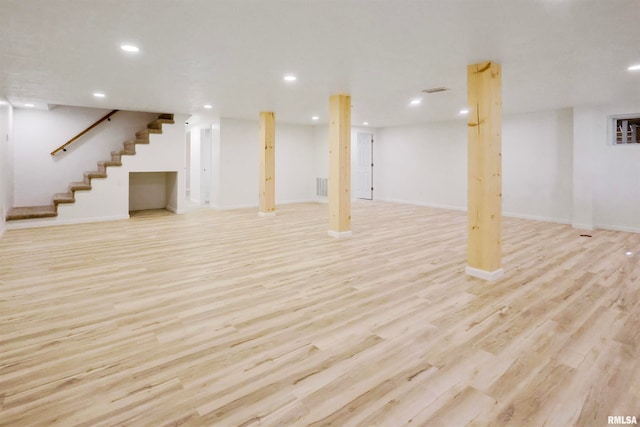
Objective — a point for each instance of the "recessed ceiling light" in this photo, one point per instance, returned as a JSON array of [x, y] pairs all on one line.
[[315, 118], [130, 48], [416, 101], [628, 253], [29, 105], [290, 78], [208, 106], [365, 123], [634, 67], [464, 111], [99, 95]]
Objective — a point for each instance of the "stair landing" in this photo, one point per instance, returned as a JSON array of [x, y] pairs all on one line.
[[31, 212]]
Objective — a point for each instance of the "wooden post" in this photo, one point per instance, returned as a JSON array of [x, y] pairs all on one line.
[[267, 164], [339, 166], [484, 255]]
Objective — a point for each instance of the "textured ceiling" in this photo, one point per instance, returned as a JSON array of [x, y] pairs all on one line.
[[233, 54]]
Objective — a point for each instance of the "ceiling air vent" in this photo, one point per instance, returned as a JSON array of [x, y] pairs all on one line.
[[436, 89]]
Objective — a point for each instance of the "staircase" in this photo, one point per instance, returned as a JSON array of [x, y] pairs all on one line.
[[129, 149]]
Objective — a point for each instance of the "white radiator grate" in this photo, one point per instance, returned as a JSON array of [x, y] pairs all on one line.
[[321, 187]]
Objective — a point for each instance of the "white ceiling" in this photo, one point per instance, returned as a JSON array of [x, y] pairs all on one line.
[[233, 54]]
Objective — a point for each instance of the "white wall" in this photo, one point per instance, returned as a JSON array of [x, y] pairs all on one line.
[[557, 166], [236, 158], [239, 163], [6, 165], [584, 170], [147, 190], [427, 164], [537, 167], [423, 164], [616, 177], [38, 175], [295, 180]]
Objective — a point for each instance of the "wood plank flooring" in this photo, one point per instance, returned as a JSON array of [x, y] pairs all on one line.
[[227, 319]]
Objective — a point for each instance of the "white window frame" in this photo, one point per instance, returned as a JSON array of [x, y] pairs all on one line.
[[613, 128]]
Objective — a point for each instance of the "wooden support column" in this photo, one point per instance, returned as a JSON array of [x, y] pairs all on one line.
[[484, 254], [267, 164], [339, 187]]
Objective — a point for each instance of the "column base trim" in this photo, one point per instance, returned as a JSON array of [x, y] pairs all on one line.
[[485, 275], [266, 214], [340, 234]]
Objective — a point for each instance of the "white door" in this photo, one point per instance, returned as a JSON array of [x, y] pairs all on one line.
[[364, 167], [205, 166], [188, 164]]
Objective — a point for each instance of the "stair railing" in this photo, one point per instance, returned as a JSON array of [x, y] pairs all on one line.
[[63, 147]]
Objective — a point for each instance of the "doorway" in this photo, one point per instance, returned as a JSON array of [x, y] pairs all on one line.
[[205, 165], [199, 166]]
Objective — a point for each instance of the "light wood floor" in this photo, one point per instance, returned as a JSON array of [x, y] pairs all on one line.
[[227, 319]]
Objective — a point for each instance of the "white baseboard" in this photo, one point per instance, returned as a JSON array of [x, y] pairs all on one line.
[[618, 228], [340, 234], [425, 204], [233, 207], [464, 209], [49, 222], [278, 202], [172, 208], [536, 218], [589, 227], [485, 275], [293, 202]]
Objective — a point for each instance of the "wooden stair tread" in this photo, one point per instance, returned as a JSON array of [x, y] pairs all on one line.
[[146, 132], [63, 198], [95, 174], [109, 163], [78, 186], [31, 212]]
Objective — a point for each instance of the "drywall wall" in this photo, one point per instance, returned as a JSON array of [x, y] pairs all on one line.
[[236, 157], [37, 174], [616, 173], [584, 161], [537, 167], [6, 165], [427, 164], [423, 164], [148, 190], [239, 163], [295, 181]]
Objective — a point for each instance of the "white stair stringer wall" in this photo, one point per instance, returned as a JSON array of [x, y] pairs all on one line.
[[108, 198]]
